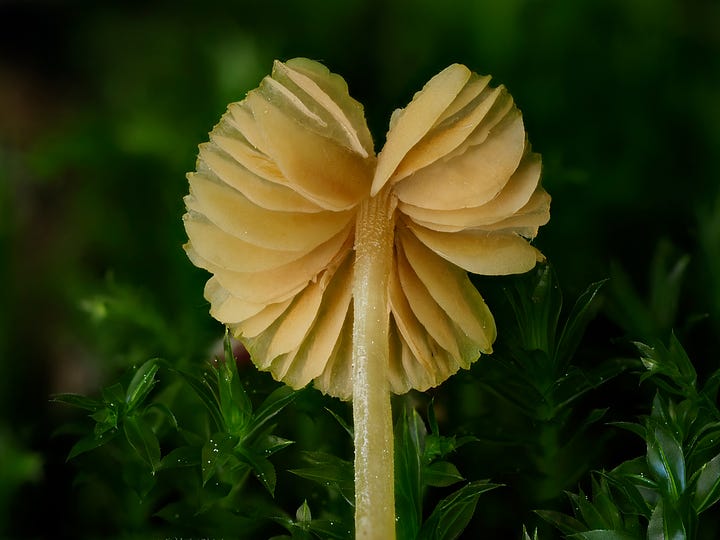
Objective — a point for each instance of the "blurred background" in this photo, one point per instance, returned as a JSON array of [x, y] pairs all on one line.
[[103, 104]]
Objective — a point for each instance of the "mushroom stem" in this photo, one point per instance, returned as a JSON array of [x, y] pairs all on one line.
[[372, 411]]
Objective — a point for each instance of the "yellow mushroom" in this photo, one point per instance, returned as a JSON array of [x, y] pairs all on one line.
[[347, 270]]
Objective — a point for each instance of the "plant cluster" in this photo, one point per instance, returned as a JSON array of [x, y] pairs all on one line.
[[226, 451]]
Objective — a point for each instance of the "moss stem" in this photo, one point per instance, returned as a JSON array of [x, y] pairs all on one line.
[[372, 411]]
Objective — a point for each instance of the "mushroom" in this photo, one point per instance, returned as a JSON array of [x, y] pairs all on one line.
[[348, 270]]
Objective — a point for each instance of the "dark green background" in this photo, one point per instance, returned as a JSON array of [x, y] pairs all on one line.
[[102, 105]]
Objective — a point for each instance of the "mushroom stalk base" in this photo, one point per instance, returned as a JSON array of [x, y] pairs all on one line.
[[372, 411]]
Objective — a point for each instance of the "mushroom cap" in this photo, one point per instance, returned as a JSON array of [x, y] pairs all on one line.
[[274, 200]]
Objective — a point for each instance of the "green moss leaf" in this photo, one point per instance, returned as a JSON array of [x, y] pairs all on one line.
[[215, 453], [143, 440], [329, 471], [261, 467], [141, 384], [303, 514], [586, 510], [91, 442], [707, 485], [273, 404], [204, 391], [566, 524], [441, 474], [410, 433], [666, 460], [235, 405], [183, 456], [76, 400], [582, 313], [666, 524], [452, 514]]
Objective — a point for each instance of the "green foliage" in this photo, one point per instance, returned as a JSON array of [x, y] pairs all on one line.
[[304, 527], [420, 462], [534, 372], [331, 471], [532, 367], [122, 411], [202, 449], [662, 494], [655, 313], [243, 441], [236, 439]]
